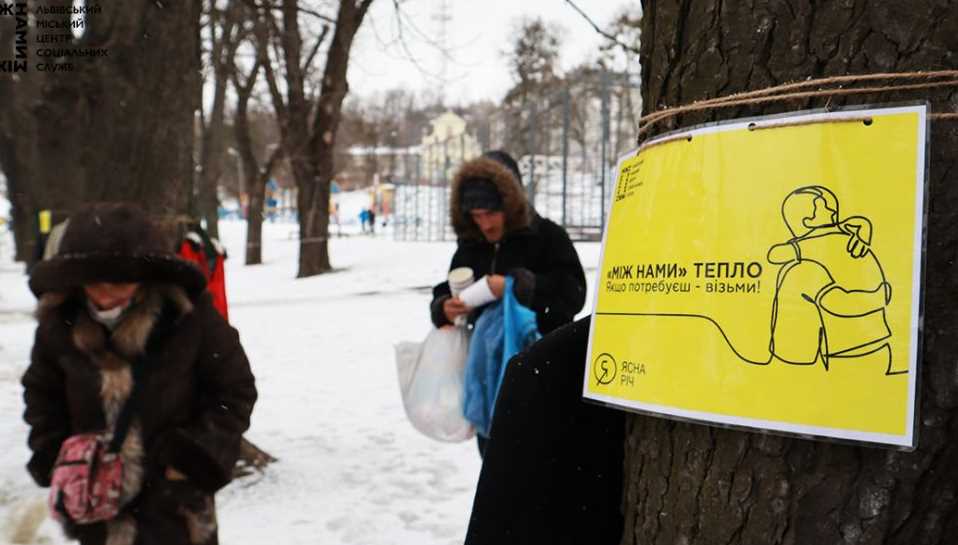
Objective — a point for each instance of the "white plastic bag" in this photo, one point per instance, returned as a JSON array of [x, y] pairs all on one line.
[[430, 379]]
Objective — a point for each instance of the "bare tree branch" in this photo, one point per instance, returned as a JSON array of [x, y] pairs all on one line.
[[264, 41], [312, 54], [292, 42], [244, 83], [274, 157], [405, 46], [268, 5], [603, 33], [318, 15], [363, 8]]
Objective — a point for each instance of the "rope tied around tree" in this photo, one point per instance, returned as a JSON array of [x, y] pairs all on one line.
[[796, 91]]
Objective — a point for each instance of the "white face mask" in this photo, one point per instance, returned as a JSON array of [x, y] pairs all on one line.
[[109, 318]]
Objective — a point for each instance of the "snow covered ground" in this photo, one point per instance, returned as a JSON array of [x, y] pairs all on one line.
[[352, 470]]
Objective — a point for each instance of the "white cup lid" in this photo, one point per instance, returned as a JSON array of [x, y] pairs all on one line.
[[460, 276]]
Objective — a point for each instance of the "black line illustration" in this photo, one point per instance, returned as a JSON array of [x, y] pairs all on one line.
[[830, 292], [728, 341]]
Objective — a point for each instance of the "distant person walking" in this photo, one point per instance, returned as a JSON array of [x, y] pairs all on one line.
[[363, 219], [138, 391]]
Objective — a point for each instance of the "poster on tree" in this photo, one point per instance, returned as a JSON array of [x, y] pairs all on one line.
[[767, 274]]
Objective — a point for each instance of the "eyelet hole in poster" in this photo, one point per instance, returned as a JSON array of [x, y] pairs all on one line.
[[767, 274]]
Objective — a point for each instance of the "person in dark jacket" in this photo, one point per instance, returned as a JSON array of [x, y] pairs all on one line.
[[553, 470], [115, 296], [500, 234]]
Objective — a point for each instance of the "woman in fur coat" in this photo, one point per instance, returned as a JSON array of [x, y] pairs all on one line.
[[114, 296]]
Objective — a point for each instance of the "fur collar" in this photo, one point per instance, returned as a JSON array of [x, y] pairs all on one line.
[[128, 340]]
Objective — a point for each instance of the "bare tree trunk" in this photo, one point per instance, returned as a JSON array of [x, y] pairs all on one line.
[[313, 224], [314, 248], [13, 133], [120, 125], [254, 218], [210, 160], [256, 177], [309, 133], [254, 186], [22, 220], [23, 235], [224, 42], [254, 222], [257, 196], [694, 484]]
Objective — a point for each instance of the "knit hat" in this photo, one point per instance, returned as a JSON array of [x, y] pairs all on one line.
[[480, 193], [113, 242]]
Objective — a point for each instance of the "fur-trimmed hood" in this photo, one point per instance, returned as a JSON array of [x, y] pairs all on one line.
[[516, 207]]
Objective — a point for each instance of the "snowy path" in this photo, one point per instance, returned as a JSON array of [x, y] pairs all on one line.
[[351, 470]]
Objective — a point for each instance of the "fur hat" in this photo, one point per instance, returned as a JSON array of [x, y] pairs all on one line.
[[113, 242]]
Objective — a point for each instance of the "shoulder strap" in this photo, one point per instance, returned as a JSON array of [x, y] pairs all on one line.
[[126, 413]]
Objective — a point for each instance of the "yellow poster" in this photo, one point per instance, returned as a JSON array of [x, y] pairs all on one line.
[[767, 274]]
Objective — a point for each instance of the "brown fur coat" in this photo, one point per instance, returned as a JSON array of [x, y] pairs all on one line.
[[194, 404]]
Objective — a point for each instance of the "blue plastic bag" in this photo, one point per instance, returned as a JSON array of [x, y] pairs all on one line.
[[503, 330]]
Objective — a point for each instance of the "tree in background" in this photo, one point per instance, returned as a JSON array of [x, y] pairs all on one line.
[[687, 483], [255, 173], [389, 120], [224, 35], [92, 134], [534, 58], [308, 124], [534, 61]]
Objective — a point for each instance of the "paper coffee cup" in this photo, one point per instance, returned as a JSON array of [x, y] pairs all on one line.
[[460, 279]]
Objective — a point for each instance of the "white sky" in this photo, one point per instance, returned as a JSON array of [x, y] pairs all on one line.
[[478, 35]]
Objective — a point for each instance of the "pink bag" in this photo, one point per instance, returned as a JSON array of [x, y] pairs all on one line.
[[87, 480]]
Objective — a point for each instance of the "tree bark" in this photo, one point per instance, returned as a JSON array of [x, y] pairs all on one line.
[[314, 200], [256, 176], [118, 127], [224, 42], [23, 234], [693, 484]]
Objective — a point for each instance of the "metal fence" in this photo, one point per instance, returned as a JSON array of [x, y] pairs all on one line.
[[566, 144]]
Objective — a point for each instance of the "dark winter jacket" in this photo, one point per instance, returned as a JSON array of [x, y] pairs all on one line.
[[553, 469], [538, 253], [196, 389]]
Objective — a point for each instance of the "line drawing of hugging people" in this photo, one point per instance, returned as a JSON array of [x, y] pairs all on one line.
[[831, 292]]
